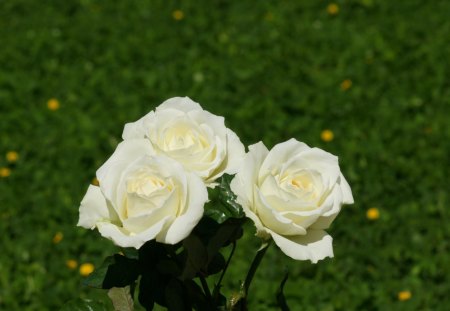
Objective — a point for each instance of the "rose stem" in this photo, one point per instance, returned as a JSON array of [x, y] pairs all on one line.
[[256, 261], [205, 287], [217, 287]]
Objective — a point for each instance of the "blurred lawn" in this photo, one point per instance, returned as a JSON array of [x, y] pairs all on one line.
[[375, 73]]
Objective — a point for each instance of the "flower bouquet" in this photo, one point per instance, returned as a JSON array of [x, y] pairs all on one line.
[[176, 193]]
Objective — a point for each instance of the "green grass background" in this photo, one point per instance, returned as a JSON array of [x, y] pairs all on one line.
[[273, 69]]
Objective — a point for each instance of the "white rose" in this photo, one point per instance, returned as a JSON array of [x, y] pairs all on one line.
[[142, 197], [182, 130], [292, 193]]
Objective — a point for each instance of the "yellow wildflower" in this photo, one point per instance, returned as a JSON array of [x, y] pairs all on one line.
[[4, 172], [58, 238], [346, 84], [71, 264], [53, 104], [12, 156], [86, 269], [373, 213], [404, 295], [177, 15], [327, 135], [333, 9]]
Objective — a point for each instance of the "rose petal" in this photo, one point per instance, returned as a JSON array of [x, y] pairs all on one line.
[[136, 129], [184, 104], [281, 153], [314, 246], [273, 220], [346, 191], [244, 182], [93, 208], [123, 238], [327, 218], [235, 152], [140, 223], [110, 173], [185, 223]]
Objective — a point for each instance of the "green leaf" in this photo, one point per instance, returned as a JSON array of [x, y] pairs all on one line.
[[121, 298], [228, 198], [216, 264], [176, 296], [130, 252], [197, 256], [198, 299], [83, 305], [95, 279], [281, 300], [116, 271], [223, 203], [168, 266], [226, 233]]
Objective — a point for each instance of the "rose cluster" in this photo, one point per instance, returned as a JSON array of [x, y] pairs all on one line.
[[154, 186]]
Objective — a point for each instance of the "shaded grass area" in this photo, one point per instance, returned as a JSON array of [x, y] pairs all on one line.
[[275, 70]]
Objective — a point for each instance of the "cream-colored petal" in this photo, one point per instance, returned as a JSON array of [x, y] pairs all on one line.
[[183, 224], [124, 238], [216, 123], [280, 154], [314, 246], [347, 196], [110, 173], [140, 223], [246, 178], [324, 162], [274, 220], [137, 129], [184, 104], [335, 201], [235, 152], [93, 208]]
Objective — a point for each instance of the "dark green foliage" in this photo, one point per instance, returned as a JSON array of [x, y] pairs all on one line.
[[116, 271]]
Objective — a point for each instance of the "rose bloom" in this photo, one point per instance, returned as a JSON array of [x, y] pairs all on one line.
[[143, 196], [292, 193], [180, 129]]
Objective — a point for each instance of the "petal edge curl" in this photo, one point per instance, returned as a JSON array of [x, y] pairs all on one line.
[[314, 246]]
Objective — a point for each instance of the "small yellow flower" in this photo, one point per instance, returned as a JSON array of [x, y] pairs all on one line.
[[71, 264], [86, 269], [327, 135], [373, 213], [404, 295], [177, 15], [333, 9], [4, 172], [53, 104], [12, 156], [346, 84], [95, 181], [57, 238]]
